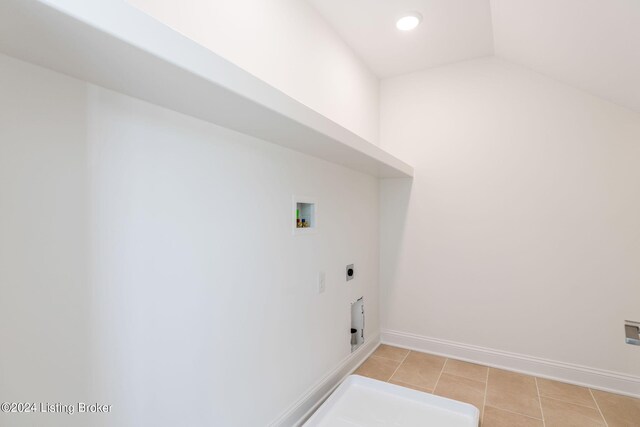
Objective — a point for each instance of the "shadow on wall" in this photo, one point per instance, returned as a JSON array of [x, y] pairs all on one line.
[[44, 299], [394, 205]]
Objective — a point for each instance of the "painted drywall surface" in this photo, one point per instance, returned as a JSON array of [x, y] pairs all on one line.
[[45, 301], [591, 45], [520, 230], [148, 261], [287, 44]]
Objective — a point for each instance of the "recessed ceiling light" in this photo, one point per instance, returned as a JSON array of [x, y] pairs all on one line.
[[408, 21]]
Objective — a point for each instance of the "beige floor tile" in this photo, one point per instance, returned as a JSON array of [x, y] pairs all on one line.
[[393, 353], [494, 417], [565, 392], [618, 411], [466, 370], [511, 399], [513, 392], [563, 414], [415, 387], [420, 369], [461, 389], [377, 368]]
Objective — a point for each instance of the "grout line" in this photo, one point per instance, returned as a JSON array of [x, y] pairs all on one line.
[[383, 358], [400, 364], [567, 402], [486, 389], [440, 376], [517, 413], [598, 406], [539, 400], [386, 358]]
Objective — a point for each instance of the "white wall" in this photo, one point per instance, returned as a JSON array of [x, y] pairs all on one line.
[[521, 232], [147, 261], [592, 45], [287, 44]]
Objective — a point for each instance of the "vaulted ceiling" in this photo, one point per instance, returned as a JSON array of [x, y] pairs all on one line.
[[451, 30], [591, 44]]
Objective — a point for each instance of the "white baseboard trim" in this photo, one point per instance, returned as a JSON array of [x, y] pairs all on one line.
[[302, 409], [599, 379]]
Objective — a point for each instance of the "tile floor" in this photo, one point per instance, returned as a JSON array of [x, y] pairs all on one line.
[[505, 399]]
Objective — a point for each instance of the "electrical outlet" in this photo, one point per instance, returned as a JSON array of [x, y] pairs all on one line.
[[351, 272], [322, 284]]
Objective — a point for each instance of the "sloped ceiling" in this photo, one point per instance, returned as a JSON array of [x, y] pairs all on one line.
[[452, 30], [591, 44]]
